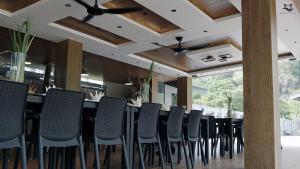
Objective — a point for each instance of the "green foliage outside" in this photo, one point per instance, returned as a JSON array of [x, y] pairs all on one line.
[[231, 84]]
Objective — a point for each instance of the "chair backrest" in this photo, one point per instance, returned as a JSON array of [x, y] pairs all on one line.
[[109, 118], [194, 123], [147, 124], [174, 126], [61, 115], [12, 109], [212, 127]]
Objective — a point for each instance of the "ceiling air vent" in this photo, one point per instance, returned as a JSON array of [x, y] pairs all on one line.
[[223, 58], [208, 59]]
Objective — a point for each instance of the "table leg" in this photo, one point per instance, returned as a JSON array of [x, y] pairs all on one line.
[[231, 139], [207, 141]]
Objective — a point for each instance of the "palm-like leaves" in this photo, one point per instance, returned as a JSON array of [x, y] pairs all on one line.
[[150, 72], [21, 39]]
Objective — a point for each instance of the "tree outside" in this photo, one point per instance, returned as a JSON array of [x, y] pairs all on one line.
[[220, 87]]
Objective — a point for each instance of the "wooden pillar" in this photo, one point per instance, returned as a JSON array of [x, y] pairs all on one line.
[[261, 105], [68, 65], [154, 87], [184, 92]]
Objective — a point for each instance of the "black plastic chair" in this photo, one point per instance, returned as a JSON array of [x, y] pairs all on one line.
[[194, 135], [238, 135], [147, 131], [60, 122], [174, 132], [109, 126], [12, 117]]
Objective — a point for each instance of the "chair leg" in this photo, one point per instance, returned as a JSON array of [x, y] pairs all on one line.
[[97, 155], [140, 154], [170, 153], [185, 153], [5, 159], [23, 153], [215, 147], [202, 153], [191, 154], [82, 159], [17, 158], [41, 154], [161, 156], [199, 142], [63, 158], [125, 153]]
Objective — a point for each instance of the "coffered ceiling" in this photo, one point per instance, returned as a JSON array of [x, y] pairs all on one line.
[[212, 25]]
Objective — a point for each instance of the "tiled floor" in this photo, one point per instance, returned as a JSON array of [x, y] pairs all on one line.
[[290, 159]]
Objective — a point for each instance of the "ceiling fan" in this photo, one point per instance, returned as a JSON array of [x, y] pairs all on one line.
[[96, 10], [179, 49]]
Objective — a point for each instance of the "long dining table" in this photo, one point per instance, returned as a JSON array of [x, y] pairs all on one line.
[[34, 100]]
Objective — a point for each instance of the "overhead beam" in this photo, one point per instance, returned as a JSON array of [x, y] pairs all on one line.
[[260, 67]]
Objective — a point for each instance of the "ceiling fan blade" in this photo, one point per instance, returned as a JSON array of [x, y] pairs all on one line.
[[83, 3], [87, 18], [157, 44], [121, 10]]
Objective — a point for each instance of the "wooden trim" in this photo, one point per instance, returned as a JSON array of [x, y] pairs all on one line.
[[15, 5], [146, 17], [92, 30], [215, 9], [260, 67]]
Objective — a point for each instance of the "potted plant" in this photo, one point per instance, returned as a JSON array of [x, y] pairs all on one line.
[[145, 83], [21, 41]]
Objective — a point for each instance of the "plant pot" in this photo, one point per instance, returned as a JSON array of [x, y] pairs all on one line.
[[17, 69]]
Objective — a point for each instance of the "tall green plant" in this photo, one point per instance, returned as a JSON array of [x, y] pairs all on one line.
[[21, 39], [150, 72]]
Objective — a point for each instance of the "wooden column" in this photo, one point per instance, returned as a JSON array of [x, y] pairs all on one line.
[[184, 92], [68, 65], [260, 62]]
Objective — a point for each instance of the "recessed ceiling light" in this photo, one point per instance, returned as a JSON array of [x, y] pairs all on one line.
[[178, 74], [295, 42], [137, 62], [68, 5], [196, 66], [194, 76], [119, 27], [205, 31], [112, 54], [286, 30], [27, 63], [145, 13], [173, 10]]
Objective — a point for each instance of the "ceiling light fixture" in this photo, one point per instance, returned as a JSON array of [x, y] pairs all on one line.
[[28, 63], [119, 27], [173, 10], [68, 5]]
